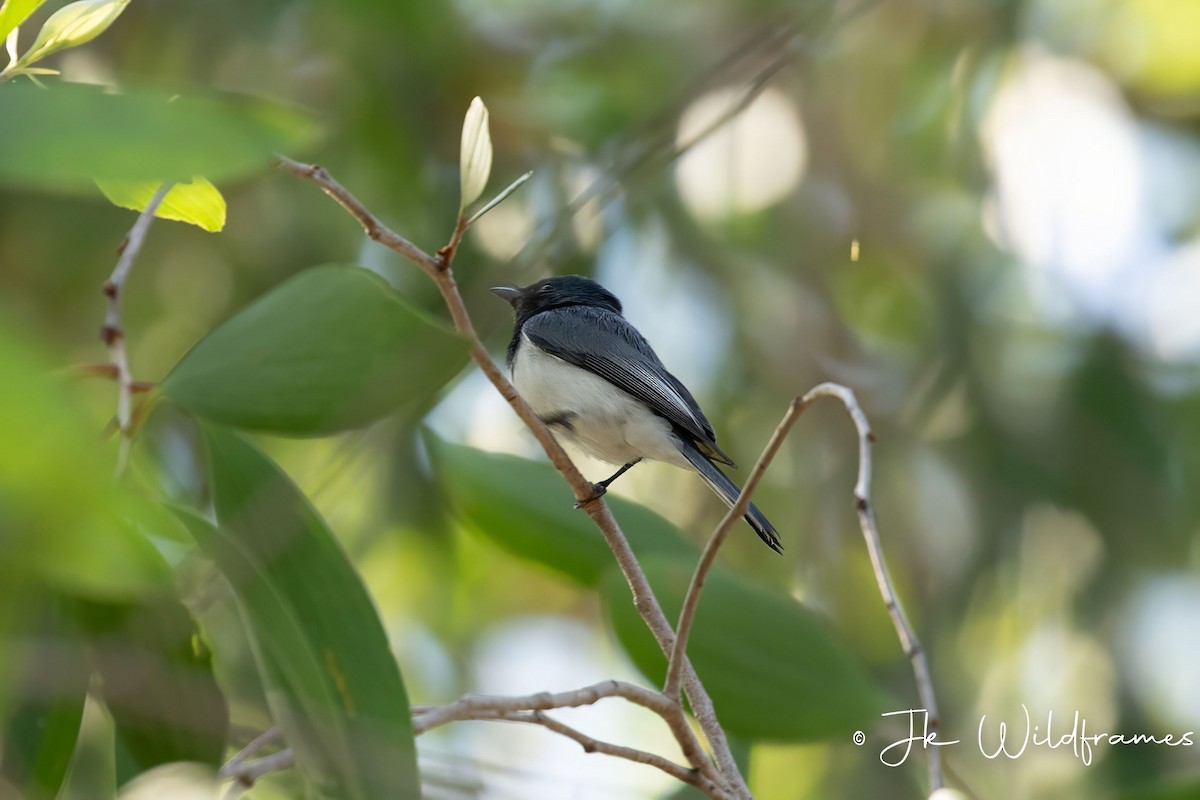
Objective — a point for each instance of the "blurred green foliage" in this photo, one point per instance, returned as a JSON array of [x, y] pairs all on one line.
[[329, 350], [218, 137], [333, 685], [980, 216]]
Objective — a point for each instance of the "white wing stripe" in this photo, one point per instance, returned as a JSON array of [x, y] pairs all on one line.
[[667, 392]]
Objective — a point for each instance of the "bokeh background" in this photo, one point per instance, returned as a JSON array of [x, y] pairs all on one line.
[[983, 217]]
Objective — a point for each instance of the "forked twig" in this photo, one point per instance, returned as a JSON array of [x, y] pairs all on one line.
[[866, 518], [246, 774], [692, 776], [529, 708]]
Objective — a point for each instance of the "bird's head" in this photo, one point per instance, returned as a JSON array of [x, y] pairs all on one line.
[[548, 293]]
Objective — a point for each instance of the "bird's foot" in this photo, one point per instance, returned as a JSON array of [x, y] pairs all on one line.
[[598, 491]]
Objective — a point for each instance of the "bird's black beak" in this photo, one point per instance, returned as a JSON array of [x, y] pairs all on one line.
[[509, 293]]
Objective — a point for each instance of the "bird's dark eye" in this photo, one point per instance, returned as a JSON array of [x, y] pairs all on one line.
[[545, 288]]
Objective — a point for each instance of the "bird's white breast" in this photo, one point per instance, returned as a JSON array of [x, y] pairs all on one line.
[[605, 421]]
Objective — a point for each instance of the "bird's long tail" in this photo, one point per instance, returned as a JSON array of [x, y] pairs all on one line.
[[728, 491]]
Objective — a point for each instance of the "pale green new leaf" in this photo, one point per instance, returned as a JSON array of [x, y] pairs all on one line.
[[196, 202], [71, 26], [14, 12], [475, 158]]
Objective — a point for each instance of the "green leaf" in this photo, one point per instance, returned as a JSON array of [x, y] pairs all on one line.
[[475, 154], [63, 519], [774, 669], [49, 680], [331, 349], [14, 12], [71, 26], [157, 680], [333, 685], [525, 507], [137, 135], [196, 202]]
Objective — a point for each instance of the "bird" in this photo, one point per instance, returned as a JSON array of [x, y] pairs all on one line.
[[596, 382]]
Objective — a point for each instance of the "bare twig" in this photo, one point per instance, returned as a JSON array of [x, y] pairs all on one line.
[[590, 745], [468, 707], [738, 510], [480, 706], [866, 518], [375, 230], [643, 596], [528, 709], [866, 521], [267, 737], [112, 333]]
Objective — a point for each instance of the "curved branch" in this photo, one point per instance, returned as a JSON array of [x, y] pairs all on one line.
[[738, 510], [866, 518]]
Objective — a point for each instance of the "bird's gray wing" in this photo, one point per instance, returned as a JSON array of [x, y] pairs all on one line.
[[604, 343]]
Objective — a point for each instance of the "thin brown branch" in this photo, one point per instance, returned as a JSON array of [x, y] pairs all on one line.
[[473, 706], [904, 629], [643, 596], [113, 334], [375, 230], [866, 517], [691, 600], [694, 777], [591, 745]]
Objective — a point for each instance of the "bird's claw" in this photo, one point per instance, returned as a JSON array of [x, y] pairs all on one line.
[[598, 491]]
